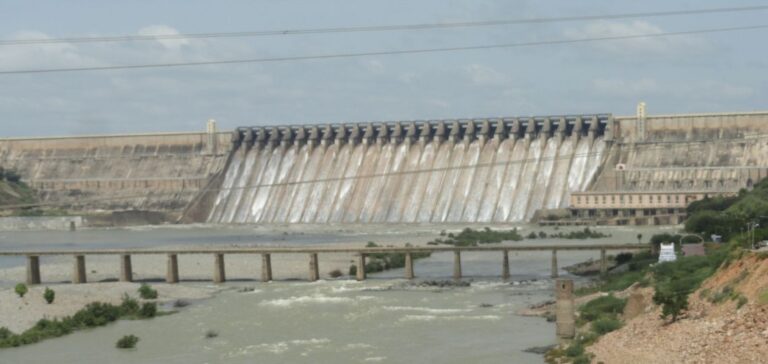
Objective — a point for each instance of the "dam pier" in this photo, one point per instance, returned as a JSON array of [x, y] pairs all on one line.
[[219, 271]]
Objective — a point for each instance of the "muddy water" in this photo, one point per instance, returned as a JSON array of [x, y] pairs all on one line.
[[384, 319]]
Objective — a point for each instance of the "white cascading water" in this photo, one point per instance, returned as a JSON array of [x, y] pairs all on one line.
[[471, 180]]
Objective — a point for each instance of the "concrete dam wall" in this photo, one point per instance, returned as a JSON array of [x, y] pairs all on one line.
[[693, 152], [500, 170], [111, 172]]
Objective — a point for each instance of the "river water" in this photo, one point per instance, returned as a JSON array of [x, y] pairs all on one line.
[[384, 319]]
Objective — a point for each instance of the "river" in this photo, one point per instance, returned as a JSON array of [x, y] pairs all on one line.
[[384, 319]]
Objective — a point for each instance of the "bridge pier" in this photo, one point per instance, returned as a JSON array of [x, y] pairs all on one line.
[[126, 269], [554, 273], [314, 269], [172, 269], [360, 267], [457, 265], [219, 274], [564, 317], [603, 263], [33, 269], [78, 275], [409, 266], [266, 267], [505, 266]]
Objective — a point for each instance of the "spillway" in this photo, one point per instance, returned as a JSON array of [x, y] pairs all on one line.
[[457, 171]]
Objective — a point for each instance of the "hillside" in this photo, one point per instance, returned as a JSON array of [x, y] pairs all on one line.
[[726, 322]]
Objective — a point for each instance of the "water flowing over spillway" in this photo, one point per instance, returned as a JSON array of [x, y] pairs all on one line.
[[487, 171]]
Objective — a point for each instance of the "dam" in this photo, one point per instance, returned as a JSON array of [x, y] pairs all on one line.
[[463, 171], [500, 170]]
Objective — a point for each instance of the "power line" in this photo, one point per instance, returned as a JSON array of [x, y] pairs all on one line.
[[343, 178], [376, 28], [384, 53]]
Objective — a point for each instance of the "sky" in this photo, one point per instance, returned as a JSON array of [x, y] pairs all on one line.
[[682, 74]]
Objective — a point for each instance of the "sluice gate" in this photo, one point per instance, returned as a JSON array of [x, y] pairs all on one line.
[[457, 171]]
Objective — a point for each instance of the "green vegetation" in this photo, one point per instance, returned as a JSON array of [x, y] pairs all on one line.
[[210, 334], [146, 292], [49, 295], [587, 233], [127, 342], [637, 271], [602, 307], [674, 281], [728, 216], [379, 262], [604, 325], [94, 314], [21, 289], [470, 237]]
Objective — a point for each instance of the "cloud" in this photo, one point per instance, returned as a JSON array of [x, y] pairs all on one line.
[[485, 76], [43, 55], [616, 86], [653, 45], [171, 44]]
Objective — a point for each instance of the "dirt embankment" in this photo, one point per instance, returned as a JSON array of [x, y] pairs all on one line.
[[727, 322]]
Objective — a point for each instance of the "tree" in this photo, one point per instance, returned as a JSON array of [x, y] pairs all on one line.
[[639, 238]]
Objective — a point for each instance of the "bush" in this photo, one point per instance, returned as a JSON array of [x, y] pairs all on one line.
[[605, 325], [129, 306], [601, 306], [127, 342], [576, 349], [210, 334], [470, 237], [148, 310], [146, 292], [5, 333], [21, 289], [353, 270], [49, 295], [336, 273], [622, 258]]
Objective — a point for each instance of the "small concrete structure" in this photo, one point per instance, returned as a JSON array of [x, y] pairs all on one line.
[[78, 275], [505, 266], [457, 265], [219, 275], [266, 267], [314, 269], [126, 269], [603, 263], [554, 273], [33, 269], [409, 266], [172, 269], [360, 274], [564, 313]]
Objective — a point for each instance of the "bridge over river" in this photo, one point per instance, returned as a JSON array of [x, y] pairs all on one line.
[[219, 272]]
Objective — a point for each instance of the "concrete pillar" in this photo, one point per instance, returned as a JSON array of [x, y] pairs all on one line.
[[457, 265], [564, 316], [554, 273], [72, 226], [33, 269], [603, 263], [266, 267], [314, 270], [126, 269], [219, 274], [78, 275], [361, 267], [409, 266], [505, 266], [172, 269]]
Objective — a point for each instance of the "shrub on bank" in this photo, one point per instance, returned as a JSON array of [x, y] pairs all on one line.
[[127, 342], [21, 289], [605, 325], [148, 310], [601, 307], [49, 295], [146, 292]]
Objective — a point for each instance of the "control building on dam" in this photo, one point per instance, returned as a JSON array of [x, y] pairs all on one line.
[[505, 170]]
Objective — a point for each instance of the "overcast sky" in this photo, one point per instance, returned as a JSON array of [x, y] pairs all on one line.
[[695, 73]]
